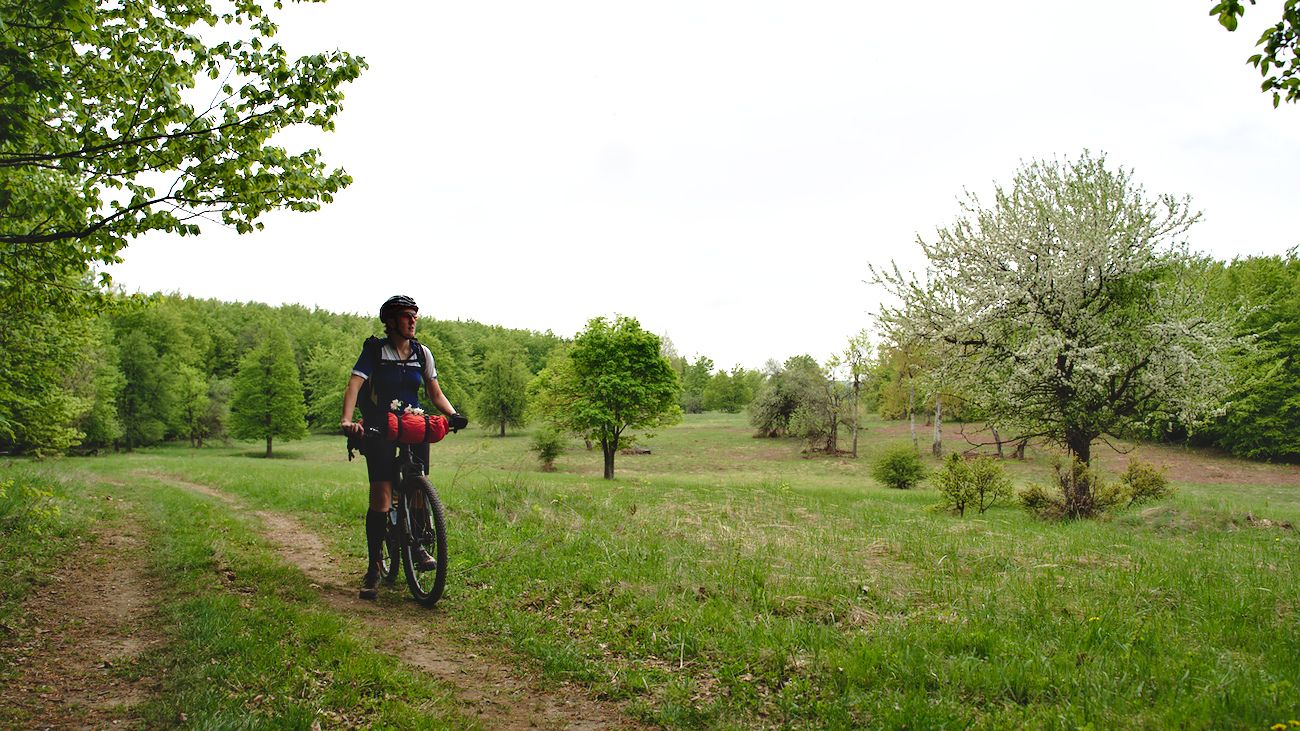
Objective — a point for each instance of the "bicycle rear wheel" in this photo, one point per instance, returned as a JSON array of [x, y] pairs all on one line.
[[427, 530]]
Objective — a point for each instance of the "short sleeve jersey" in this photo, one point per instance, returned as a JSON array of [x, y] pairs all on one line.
[[397, 379]]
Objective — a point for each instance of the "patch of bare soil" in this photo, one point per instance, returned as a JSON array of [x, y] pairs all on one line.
[[493, 690], [92, 617]]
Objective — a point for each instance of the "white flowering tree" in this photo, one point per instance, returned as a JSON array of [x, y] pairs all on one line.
[[1069, 310]]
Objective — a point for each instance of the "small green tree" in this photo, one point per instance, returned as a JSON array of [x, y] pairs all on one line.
[[979, 484], [193, 404], [548, 443], [695, 379], [899, 467], [728, 392], [503, 390], [147, 401], [612, 379], [268, 396]]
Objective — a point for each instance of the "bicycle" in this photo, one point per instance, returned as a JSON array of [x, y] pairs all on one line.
[[415, 521]]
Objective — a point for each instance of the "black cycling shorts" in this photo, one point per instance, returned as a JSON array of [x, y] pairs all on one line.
[[381, 459]]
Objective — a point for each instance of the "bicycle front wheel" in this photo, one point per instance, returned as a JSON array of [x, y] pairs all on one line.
[[427, 529], [391, 564]]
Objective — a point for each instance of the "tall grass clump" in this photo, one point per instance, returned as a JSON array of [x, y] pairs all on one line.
[[899, 467]]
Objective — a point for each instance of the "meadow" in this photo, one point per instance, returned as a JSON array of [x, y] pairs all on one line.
[[719, 582]]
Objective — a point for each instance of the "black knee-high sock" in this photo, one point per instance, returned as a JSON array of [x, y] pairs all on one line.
[[376, 532]]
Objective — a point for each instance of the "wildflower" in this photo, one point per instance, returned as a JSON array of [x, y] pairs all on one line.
[[1278, 727], [414, 410], [1094, 619], [396, 405]]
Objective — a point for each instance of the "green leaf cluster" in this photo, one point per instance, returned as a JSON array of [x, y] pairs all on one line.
[[268, 397], [1279, 62], [978, 484], [613, 379], [899, 466], [1262, 417]]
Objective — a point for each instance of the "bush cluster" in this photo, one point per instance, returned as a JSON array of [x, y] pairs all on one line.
[[1080, 492], [899, 467], [978, 484], [548, 443]]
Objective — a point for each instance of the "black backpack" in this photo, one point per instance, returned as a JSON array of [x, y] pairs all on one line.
[[376, 346]]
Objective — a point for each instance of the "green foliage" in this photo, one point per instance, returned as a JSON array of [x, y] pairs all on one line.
[[1143, 482], [548, 443], [1281, 44], [695, 379], [1262, 417], [899, 466], [727, 392], [42, 400], [267, 399], [148, 397], [1079, 491], [95, 102], [325, 378], [613, 379], [503, 389], [799, 384], [978, 484], [1068, 310]]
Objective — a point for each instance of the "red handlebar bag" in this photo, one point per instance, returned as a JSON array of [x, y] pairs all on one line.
[[416, 428]]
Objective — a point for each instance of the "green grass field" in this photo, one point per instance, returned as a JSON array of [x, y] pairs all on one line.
[[728, 582]]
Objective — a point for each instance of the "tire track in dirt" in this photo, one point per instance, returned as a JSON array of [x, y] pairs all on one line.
[[492, 690], [92, 615]]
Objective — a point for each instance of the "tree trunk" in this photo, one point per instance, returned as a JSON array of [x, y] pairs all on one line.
[[268, 446], [855, 417], [936, 446], [911, 414], [608, 448], [997, 439], [503, 427]]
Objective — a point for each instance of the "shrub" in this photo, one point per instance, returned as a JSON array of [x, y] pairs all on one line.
[[1082, 493], [1079, 493], [900, 467], [548, 443], [979, 484], [1143, 482]]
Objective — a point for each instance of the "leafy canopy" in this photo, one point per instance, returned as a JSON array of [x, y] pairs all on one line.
[[1279, 62], [611, 380], [100, 141], [268, 399], [1068, 310]]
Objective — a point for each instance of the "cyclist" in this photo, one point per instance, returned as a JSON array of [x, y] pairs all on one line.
[[394, 368]]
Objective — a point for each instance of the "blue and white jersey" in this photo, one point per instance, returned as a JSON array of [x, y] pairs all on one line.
[[397, 379]]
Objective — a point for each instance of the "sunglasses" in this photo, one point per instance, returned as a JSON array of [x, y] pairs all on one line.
[[408, 316]]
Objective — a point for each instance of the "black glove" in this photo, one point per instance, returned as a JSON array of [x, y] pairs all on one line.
[[457, 422]]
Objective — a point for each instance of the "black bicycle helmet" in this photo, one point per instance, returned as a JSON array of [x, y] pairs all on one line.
[[397, 302]]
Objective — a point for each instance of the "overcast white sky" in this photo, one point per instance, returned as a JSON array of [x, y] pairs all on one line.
[[724, 171]]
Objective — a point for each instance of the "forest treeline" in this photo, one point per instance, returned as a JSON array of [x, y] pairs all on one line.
[[167, 368]]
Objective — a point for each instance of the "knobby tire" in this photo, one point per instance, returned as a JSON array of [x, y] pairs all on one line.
[[428, 528], [391, 565]]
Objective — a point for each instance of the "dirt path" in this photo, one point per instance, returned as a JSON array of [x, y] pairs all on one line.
[[496, 692], [93, 616]]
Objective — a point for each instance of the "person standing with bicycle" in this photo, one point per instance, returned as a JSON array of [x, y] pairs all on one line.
[[390, 371]]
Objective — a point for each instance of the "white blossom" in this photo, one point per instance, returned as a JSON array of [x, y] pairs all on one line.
[[1069, 310]]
